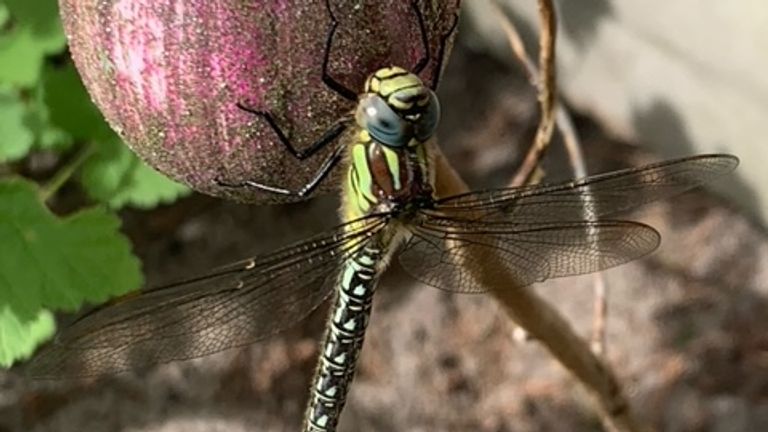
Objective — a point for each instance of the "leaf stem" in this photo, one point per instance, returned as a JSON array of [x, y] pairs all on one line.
[[66, 172]]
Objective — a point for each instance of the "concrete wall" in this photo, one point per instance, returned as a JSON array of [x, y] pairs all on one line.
[[680, 77]]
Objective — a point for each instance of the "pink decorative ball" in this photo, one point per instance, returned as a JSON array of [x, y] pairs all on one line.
[[168, 75]]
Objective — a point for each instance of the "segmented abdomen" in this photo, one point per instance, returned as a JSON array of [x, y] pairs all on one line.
[[343, 340]]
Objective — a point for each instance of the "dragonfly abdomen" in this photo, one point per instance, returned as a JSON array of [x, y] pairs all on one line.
[[344, 337]]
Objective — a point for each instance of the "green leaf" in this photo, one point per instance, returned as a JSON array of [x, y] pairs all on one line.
[[24, 124], [19, 337], [69, 106], [147, 188], [34, 32], [118, 178], [15, 138], [47, 135], [59, 263], [5, 15], [107, 171]]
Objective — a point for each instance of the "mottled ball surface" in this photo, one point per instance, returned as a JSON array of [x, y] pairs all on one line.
[[168, 75]]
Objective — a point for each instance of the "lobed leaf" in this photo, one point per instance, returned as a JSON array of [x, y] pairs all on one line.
[[59, 263], [19, 337], [116, 177], [15, 138], [33, 31]]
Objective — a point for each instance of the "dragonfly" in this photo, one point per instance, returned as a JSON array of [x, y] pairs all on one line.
[[464, 243]]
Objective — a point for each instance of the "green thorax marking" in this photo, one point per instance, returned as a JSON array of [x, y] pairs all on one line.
[[388, 161]]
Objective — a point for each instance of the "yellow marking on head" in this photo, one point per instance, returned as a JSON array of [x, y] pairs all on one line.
[[376, 82], [404, 98], [399, 105], [401, 90], [387, 72], [399, 83], [372, 84]]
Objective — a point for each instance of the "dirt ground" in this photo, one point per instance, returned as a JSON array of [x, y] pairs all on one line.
[[687, 330]]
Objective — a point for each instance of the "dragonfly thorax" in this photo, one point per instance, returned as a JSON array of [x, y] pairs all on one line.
[[390, 170], [397, 109]]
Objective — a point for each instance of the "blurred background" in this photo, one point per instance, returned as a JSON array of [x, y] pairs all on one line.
[[687, 326]]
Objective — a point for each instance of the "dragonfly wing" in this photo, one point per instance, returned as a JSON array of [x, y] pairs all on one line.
[[233, 306], [593, 197], [473, 256]]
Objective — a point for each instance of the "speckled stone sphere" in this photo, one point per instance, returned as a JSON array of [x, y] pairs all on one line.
[[168, 75]]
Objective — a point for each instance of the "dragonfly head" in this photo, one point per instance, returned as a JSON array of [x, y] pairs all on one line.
[[397, 109]]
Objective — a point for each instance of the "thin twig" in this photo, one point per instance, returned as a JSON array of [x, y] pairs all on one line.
[[576, 158], [545, 323], [571, 142], [65, 173], [562, 117], [599, 314], [600, 380], [547, 90]]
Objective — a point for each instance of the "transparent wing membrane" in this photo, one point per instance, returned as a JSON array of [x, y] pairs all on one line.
[[469, 242], [473, 256], [598, 196], [233, 306], [466, 243]]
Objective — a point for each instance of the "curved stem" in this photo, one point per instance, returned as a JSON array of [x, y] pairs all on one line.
[[547, 86], [549, 327], [65, 173], [572, 145]]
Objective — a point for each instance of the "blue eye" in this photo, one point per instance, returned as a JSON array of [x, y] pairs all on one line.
[[425, 127], [383, 123]]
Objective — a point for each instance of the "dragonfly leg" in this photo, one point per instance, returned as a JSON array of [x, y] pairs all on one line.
[[331, 134], [327, 78], [304, 191], [441, 53]]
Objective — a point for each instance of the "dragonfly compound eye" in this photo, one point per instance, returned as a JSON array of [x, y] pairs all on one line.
[[425, 126], [382, 122]]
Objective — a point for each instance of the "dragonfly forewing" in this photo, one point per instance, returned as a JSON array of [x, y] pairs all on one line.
[[469, 242], [233, 306], [599, 196]]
